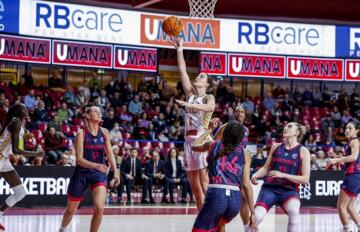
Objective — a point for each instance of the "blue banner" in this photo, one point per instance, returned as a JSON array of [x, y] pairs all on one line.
[[9, 16], [347, 41]]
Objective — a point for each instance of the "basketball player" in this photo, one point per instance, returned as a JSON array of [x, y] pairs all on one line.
[[350, 188], [198, 110], [229, 168], [240, 117], [11, 133], [91, 146], [287, 166]]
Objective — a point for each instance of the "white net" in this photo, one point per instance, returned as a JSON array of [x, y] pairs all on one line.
[[202, 8]]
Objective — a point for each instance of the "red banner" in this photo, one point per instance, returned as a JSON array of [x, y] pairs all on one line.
[[314, 69], [352, 72], [213, 63], [82, 54], [256, 65], [135, 58], [197, 33], [17, 48]]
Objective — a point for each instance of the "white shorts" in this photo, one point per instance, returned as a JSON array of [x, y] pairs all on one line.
[[193, 160], [5, 165]]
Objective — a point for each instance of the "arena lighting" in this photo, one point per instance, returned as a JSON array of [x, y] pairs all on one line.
[[143, 3]]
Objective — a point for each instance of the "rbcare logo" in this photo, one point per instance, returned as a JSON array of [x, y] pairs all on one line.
[[354, 42], [59, 16], [199, 33], [77, 22]]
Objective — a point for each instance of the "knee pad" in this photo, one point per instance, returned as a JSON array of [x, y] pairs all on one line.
[[19, 193], [293, 211]]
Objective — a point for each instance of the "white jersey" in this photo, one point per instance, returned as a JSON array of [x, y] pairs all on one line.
[[196, 119], [6, 144]]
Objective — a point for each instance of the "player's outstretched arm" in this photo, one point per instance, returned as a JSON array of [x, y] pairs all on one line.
[[185, 80], [355, 146]]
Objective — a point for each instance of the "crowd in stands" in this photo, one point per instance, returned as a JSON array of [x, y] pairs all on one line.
[[146, 118]]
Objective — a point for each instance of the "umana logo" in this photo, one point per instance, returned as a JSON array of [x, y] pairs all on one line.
[[196, 33]]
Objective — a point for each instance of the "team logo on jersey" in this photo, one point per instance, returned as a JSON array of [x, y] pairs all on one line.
[[95, 140], [294, 156], [102, 139], [286, 154]]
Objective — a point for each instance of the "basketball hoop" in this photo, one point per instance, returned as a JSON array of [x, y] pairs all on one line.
[[202, 8]]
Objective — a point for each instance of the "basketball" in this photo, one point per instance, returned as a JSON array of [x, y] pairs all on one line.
[[172, 26]]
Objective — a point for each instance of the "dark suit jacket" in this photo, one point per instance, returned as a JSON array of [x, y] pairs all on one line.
[[149, 168], [126, 167], [179, 169]]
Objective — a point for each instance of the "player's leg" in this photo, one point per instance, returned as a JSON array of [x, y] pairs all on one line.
[[13, 179], [71, 207], [211, 212], [204, 180], [196, 187], [292, 208], [244, 211], [342, 205], [266, 199], [99, 197], [353, 213]]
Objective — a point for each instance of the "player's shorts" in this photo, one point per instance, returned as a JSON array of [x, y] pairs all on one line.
[[82, 180], [276, 195], [5, 165], [351, 185], [220, 205], [193, 160]]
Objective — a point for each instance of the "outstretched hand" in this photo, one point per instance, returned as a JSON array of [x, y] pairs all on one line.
[[177, 42]]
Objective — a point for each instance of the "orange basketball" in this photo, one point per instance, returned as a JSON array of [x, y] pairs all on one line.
[[172, 26]]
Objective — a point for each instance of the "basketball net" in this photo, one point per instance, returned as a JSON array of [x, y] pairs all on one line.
[[202, 8]]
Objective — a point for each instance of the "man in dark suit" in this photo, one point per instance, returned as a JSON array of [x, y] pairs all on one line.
[[131, 170], [155, 173], [176, 176]]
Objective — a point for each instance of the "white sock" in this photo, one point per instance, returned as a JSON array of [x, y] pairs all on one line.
[[246, 227], [346, 228], [63, 229]]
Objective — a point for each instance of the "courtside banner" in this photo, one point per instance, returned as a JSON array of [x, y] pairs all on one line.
[[78, 22], [256, 65], [323, 189], [213, 63], [135, 58], [352, 70], [17, 48], [45, 186], [197, 33], [315, 69], [264, 37], [81, 54]]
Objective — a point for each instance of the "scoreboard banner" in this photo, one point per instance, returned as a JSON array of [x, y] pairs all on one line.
[[81, 54], [213, 63], [314, 69], [23, 49], [135, 58], [256, 65]]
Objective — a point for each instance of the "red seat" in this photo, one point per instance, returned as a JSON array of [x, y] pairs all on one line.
[[65, 129], [78, 121], [42, 126], [37, 134]]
